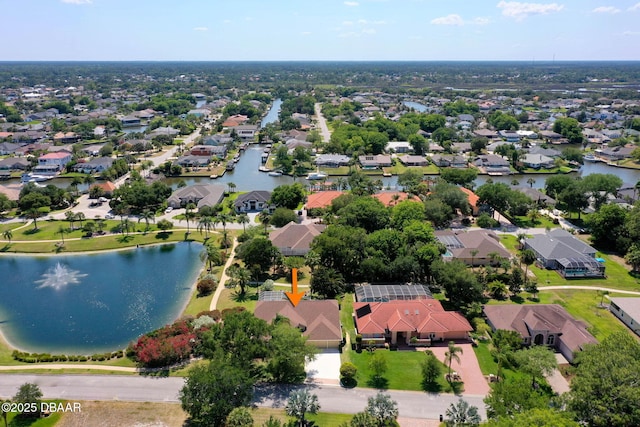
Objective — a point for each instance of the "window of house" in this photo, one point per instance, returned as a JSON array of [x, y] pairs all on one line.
[[551, 339]]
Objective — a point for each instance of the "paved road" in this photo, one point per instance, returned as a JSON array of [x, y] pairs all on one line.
[[324, 129], [149, 389]]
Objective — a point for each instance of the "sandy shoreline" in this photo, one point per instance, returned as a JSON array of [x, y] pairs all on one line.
[[8, 344]]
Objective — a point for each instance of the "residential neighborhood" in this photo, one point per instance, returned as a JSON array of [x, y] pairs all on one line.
[[449, 243]]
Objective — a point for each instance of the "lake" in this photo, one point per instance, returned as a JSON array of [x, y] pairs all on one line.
[[272, 115], [84, 304]]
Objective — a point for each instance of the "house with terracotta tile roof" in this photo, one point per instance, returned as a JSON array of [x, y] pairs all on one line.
[[107, 187], [318, 320], [321, 199], [541, 324], [476, 247], [397, 322], [473, 200]]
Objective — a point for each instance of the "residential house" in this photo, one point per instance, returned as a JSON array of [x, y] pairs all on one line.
[[202, 150], [614, 154], [486, 133], [510, 136], [461, 147], [292, 144], [92, 150], [552, 137], [218, 140], [541, 324], [493, 164], [374, 161], [164, 130], [538, 161], [570, 257], [198, 194], [332, 160], [412, 160], [318, 320], [295, 239], [14, 163], [8, 148], [436, 148], [541, 199], [246, 132], [257, 200], [399, 147], [450, 160], [627, 309], [66, 138], [473, 200], [107, 187], [96, 165], [549, 152], [130, 121], [321, 199], [192, 161], [53, 162], [397, 322], [477, 247], [466, 118]]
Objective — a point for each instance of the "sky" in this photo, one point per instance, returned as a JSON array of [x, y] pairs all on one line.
[[319, 30]]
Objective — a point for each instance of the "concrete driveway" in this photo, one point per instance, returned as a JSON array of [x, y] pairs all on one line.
[[468, 369], [325, 369]]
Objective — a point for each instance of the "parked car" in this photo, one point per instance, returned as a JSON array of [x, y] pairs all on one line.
[[169, 209], [109, 216]]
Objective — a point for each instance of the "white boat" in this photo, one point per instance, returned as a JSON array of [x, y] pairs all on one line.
[[275, 173], [591, 158], [213, 176], [316, 175], [264, 169], [30, 177]]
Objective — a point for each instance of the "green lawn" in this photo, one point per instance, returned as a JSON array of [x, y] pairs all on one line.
[[403, 373], [230, 298], [50, 421], [399, 168], [485, 359], [540, 222], [322, 419], [583, 305]]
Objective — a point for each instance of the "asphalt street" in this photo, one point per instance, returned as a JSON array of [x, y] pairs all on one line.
[[153, 389]]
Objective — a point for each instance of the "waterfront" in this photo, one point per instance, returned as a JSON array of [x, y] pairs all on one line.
[[83, 304]]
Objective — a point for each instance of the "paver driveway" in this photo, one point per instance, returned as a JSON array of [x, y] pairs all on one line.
[[468, 368]]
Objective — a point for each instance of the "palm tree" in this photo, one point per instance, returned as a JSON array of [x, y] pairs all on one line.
[[300, 403], [61, 231], [71, 217], [224, 219], [528, 257], [265, 217], [126, 225], [205, 224], [243, 219], [636, 188], [212, 256], [7, 234], [147, 216], [80, 217], [463, 414], [232, 187], [521, 237], [188, 213], [473, 253], [531, 181], [452, 354], [100, 224], [240, 276], [515, 182]]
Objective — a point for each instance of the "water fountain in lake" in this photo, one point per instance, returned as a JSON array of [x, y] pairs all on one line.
[[59, 276]]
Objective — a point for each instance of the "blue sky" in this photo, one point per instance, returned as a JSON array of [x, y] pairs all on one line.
[[264, 30]]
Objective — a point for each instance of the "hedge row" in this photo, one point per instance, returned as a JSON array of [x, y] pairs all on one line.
[[46, 357]]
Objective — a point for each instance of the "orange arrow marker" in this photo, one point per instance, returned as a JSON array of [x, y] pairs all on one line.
[[294, 296]]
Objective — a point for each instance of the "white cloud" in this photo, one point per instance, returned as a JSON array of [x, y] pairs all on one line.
[[606, 9], [200, 29], [351, 3], [631, 33], [481, 20], [347, 23], [519, 11], [452, 19], [306, 33], [634, 7], [76, 1], [368, 31], [227, 21]]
